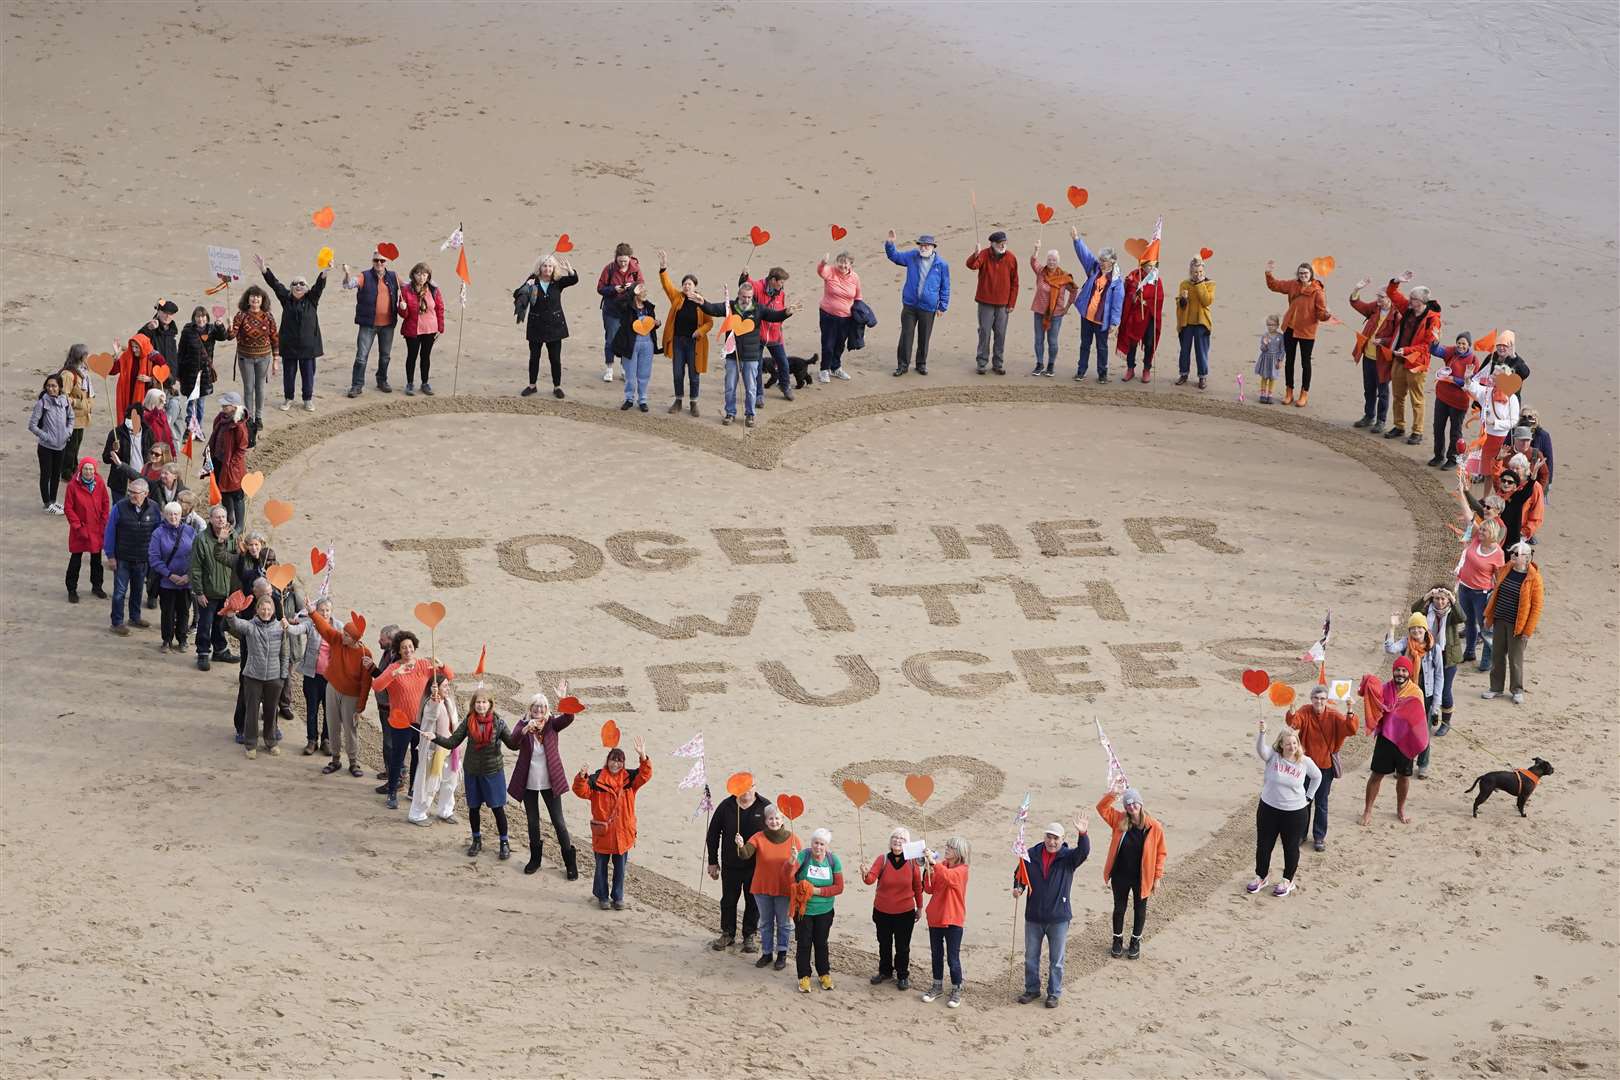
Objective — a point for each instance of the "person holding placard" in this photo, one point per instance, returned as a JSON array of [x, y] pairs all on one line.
[[945, 880], [1136, 855], [818, 877], [896, 907], [1322, 732], [1049, 870]]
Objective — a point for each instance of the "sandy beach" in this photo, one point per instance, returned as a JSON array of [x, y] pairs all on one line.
[[959, 575]]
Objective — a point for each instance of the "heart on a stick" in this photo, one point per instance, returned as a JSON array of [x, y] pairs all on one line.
[[317, 560], [743, 326], [570, 706], [323, 217], [1136, 247], [1206, 253], [251, 483], [278, 513], [759, 236], [610, 735], [644, 324], [792, 806], [564, 245], [857, 793], [921, 787], [218, 311], [430, 614], [980, 783], [1323, 267], [280, 575], [101, 363], [1281, 694], [388, 251], [160, 372], [1078, 196], [739, 782], [1256, 681], [1043, 213], [839, 232]]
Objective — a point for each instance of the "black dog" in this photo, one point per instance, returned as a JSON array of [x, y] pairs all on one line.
[[1523, 783], [799, 366]]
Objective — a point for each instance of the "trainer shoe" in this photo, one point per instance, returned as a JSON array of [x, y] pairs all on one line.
[[934, 991], [844, 375], [607, 374]]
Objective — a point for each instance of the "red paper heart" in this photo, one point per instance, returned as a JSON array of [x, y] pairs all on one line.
[[359, 621], [759, 236], [234, 603], [1205, 253], [570, 706], [388, 251], [1255, 681], [323, 217], [564, 245], [792, 806], [1043, 213], [101, 363], [839, 232], [317, 560], [1078, 196], [610, 735]]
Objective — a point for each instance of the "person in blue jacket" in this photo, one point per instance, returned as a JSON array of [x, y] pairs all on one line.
[[1049, 871], [1099, 304], [927, 293]]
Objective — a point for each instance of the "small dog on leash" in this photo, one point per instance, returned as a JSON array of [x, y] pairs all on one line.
[[1523, 782], [798, 366]]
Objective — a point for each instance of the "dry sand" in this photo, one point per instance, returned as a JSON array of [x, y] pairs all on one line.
[[175, 909]]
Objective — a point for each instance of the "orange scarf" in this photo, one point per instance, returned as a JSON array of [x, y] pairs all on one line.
[[1057, 279]]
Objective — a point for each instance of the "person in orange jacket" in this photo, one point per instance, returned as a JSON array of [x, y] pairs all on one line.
[[1138, 850], [946, 880], [1322, 731], [612, 794], [1417, 331], [1307, 308], [1512, 613]]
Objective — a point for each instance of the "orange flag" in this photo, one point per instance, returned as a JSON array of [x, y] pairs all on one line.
[[214, 497], [187, 449], [461, 266], [482, 653]]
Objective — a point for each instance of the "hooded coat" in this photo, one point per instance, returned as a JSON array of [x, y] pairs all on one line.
[[613, 806], [129, 368], [87, 510], [228, 444]]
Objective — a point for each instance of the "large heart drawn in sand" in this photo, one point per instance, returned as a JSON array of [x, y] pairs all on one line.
[[969, 782]]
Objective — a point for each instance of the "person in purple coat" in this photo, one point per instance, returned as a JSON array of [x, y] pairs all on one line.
[[168, 555], [539, 774]]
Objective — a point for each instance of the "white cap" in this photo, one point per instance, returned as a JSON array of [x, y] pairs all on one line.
[[1054, 829]]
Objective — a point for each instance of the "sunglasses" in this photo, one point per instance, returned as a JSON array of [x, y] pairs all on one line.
[[378, 262]]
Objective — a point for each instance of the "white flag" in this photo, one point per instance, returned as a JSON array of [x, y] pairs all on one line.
[[696, 777]]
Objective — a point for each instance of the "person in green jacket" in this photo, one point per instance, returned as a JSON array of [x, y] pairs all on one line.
[[213, 562], [819, 868], [483, 768]]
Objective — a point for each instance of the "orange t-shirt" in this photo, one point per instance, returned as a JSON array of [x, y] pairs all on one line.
[[384, 315], [774, 863]]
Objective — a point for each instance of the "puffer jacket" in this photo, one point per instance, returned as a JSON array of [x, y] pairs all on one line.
[[266, 646], [169, 552], [51, 421], [749, 346], [129, 531]]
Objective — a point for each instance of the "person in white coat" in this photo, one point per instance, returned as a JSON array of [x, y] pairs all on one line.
[[435, 787]]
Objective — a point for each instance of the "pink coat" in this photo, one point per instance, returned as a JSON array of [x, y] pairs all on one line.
[[548, 743], [841, 291], [411, 308]]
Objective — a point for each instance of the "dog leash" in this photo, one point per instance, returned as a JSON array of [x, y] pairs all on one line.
[[1476, 744]]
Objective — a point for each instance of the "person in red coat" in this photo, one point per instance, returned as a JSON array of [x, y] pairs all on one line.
[[227, 448], [134, 370], [1451, 400], [87, 506], [1419, 328], [1141, 319], [996, 296], [422, 306]]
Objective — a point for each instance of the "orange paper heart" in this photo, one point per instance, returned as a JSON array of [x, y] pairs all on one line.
[[323, 217], [1323, 267], [739, 782], [857, 792], [1255, 681], [759, 236], [792, 806], [388, 251], [1280, 694], [743, 326], [564, 245], [359, 621], [1136, 247], [160, 372], [839, 232], [1078, 196], [570, 706], [429, 614], [101, 363], [317, 560], [610, 735], [280, 575], [323, 258], [1043, 213], [1206, 253], [1508, 383], [644, 324], [920, 786], [277, 513], [234, 603], [251, 483]]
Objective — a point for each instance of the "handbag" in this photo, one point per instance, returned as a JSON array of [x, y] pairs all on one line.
[[1338, 768]]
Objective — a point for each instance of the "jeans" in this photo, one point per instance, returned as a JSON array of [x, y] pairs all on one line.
[[1049, 336], [419, 346], [943, 942], [750, 380], [1195, 344], [834, 337], [1056, 936], [75, 561], [1472, 602], [396, 741], [1448, 422], [1319, 816], [685, 367], [128, 581], [211, 628], [638, 370], [554, 348], [1374, 393], [894, 942], [1303, 347], [774, 925], [259, 710], [1507, 657], [304, 369], [314, 703], [1150, 338], [599, 884], [175, 615], [50, 474], [914, 322], [1271, 823], [1093, 334], [992, 335], [813, 931], [779, 362], [734, 881], [610, 330], [384, 337], [255, 370]]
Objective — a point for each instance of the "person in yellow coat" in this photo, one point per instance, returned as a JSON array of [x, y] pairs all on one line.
[[1193, 298], [686, 334]]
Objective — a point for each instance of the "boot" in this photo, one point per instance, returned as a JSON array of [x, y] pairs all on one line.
[[570, 864], [722, 943], [506, 849], [1445, 723], [537, 848], [476, 846], [750, 943], [1288, 396], [1303, 395], [1118, 949], [1135, 951]]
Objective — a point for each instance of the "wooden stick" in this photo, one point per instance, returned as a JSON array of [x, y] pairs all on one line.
[[859, 840]]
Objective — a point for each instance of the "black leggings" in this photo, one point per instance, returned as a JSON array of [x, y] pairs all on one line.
[[1447, 417], [555, 349], [500, 818], [1269, 824], [531, 809], [420, 345], [1304, 345], [1126, 886], [812, 931], [50, 475]]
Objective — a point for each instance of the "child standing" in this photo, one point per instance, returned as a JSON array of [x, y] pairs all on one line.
[[1271, 354], [612, 794], [484, 767], [946, 882]]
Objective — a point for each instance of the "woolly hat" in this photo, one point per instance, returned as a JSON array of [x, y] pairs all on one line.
[[1521, 433], [1132, 797], [1417, 619], [1402, 663]]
